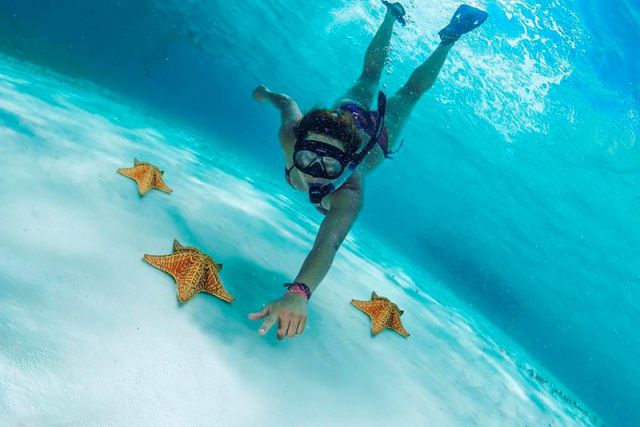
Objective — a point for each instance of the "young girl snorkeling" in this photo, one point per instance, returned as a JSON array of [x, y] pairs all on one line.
[[328, 153]]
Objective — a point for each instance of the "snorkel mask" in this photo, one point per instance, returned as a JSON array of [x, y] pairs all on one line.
[[323, 160], [319, 159]]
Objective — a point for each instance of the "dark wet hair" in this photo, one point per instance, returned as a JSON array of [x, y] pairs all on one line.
[[335, 124]]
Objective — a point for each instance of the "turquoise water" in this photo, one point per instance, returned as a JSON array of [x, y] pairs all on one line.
[[512, 204], [93, 335]]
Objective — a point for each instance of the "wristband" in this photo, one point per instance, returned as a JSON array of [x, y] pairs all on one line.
[[298, 288]]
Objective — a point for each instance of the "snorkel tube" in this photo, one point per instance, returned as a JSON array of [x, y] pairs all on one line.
[[318, 191]]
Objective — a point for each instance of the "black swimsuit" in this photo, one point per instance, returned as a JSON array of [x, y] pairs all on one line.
[[367, 121]]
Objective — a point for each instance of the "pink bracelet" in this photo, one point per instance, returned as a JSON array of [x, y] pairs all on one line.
[[298, 288], [297, 291]]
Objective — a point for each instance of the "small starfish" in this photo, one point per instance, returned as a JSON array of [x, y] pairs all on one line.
[[193, 272], [383, 314], [147, 176]]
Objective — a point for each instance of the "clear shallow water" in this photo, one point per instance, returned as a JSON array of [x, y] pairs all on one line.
[[519, 176], [93, 335]]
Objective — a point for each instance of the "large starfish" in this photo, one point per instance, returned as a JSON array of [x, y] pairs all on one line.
[[383, 314], [193, 272], [147, 176]]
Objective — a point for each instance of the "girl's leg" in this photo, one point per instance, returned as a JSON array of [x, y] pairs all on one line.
[[401, 104], [365, 88]]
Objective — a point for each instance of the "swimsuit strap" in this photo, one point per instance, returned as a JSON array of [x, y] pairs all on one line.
[[367, 120], [361, 115]]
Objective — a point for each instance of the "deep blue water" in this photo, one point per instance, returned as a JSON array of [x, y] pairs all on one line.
[[520, 171]]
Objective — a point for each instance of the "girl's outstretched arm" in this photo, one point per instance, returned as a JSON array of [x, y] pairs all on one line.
[[290, 311], [345, 207]]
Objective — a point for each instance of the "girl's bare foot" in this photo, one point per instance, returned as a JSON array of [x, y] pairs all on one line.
[[260, 93]]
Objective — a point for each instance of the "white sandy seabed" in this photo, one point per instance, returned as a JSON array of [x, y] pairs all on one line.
[[92, 335]]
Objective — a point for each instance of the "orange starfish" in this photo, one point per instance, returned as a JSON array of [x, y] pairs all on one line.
[[383, 314], [147, 176], [193, 272]]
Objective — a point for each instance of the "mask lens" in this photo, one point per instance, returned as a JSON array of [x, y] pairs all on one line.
[[332, 166], [304, 158]]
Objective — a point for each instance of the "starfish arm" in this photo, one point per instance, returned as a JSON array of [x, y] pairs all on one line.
[[377, 327], [177, 246], [182, 267], [145, 184], [371, 308], [378, 312], [158, 183], [165, 189], [396, 324], [215, 286], [174, 264], [191, 282], [136, 173], [186, 292]]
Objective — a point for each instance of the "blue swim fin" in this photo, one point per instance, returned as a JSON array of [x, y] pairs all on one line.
[[466, 18], [396, 10]]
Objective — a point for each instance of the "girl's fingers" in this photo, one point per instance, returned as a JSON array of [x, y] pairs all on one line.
[[293, 326], [285, 319], [289, 324], [301, 325], [261, 314], [267, 325]]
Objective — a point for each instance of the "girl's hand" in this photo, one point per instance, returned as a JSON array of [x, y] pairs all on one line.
[[260, 93], [290, 312]]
